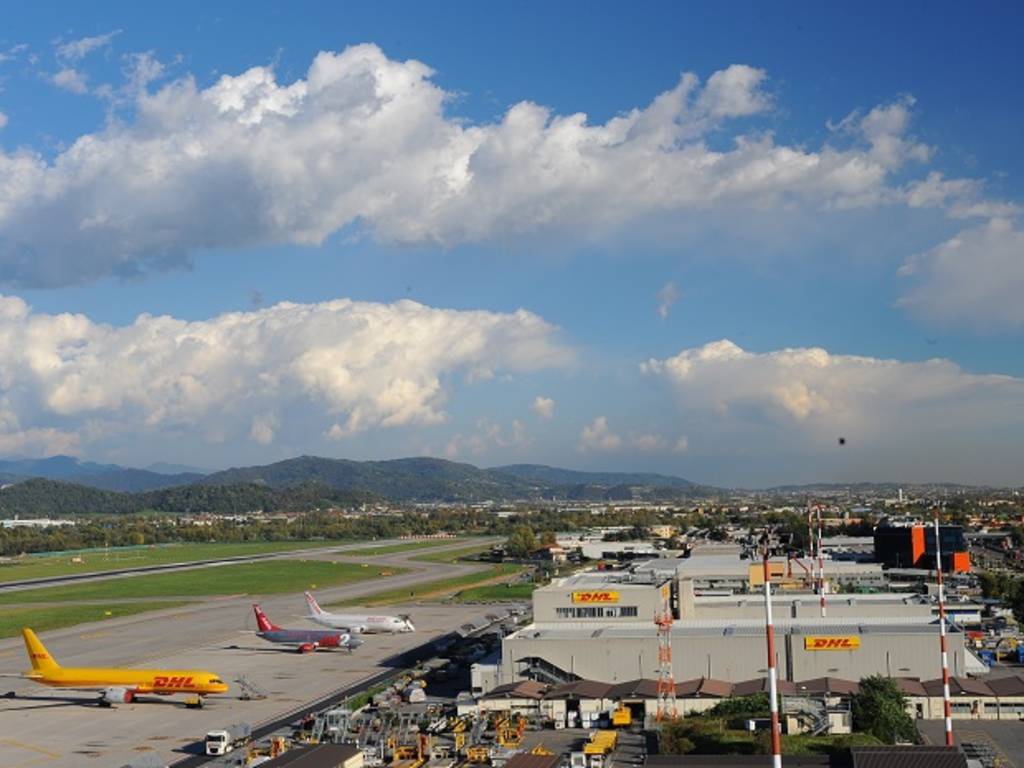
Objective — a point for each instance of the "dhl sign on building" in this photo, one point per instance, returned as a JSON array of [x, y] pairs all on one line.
[[595, 596], [831, 643]]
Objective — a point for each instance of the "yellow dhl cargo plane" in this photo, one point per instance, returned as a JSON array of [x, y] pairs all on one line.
[[116, 685]]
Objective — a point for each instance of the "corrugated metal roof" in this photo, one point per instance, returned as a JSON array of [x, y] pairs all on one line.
[[959, 686], [826, 685], [908, 757], [1007, 686]]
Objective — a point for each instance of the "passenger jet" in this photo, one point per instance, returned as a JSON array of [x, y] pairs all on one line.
[[116, 685], [358, 623], [304, 640]]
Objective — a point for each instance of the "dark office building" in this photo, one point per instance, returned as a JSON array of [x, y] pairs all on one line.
[[913, 546]]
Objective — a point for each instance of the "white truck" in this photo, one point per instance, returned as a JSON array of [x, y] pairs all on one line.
[[222, 740]]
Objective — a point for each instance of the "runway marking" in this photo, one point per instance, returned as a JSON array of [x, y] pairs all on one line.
[[93, 635], [31, 748]]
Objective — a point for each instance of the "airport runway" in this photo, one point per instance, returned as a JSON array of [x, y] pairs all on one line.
[[49, 581], [43, 727]]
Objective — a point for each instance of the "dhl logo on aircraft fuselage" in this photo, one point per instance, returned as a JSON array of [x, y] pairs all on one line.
[[162, 681], [595, 597], [832, 643]]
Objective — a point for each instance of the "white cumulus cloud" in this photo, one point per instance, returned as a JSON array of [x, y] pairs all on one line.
[[647, 441], [975, 278], [797, 401], [366, 140], [75, 50], [596, 436], [544, 407], [349, 366], [70, 79], [667, 295]]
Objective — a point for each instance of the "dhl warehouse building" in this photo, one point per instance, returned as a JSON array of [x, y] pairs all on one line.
[[599, 626]]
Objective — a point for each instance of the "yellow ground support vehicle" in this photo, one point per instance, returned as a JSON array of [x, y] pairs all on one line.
[[622, 716], [601, 743]]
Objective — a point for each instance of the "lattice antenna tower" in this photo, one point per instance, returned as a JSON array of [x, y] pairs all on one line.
[[666, 680]]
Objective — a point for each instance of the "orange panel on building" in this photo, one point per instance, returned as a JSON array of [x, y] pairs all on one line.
[[961, 562], [916, 544]]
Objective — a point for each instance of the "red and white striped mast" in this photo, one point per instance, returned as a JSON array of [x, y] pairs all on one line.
[[947, 706], [810, 546], [821, 567], [773, 697]]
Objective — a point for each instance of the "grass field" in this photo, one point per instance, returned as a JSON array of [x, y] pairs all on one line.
[[44, 618], [94, 561], [453, 555], [261, 578], [800, 744], [495, 593], [405, 546], [437, 589]]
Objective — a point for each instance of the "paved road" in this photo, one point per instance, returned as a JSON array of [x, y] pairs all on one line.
[[1006, 737]]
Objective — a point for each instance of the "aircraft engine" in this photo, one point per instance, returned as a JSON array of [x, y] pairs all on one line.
[[307, 647], [112, 696]]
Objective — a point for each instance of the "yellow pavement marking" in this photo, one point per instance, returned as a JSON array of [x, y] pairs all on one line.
[[31, 748]]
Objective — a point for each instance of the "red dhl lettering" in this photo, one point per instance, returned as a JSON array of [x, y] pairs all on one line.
[[597, 596], [161, 681], [848, 643]]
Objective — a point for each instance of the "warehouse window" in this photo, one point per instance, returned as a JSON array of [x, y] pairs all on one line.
[[564, 613], [627, 610]]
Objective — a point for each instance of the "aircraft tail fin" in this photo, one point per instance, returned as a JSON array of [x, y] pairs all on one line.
[[314, 606], [42, 661], [265, 624]]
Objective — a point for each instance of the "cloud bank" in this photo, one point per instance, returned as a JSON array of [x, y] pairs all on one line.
[[365, 141], [975, 278], [348, 366], [795, 401]]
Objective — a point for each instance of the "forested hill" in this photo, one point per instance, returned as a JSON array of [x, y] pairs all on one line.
[[306, 481], [52, 498], [414, 479], [556, 476]]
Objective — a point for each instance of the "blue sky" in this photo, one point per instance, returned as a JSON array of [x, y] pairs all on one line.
[[827, 205]]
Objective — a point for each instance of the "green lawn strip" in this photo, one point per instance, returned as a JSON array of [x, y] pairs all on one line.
[[55, 617], [389, 549], [438, 588], [99, 560], [453, 555], [496, 593], [260, 578], [802, 744], [717, 739]]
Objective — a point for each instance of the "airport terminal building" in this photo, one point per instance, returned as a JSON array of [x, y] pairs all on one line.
[[599, 626]]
